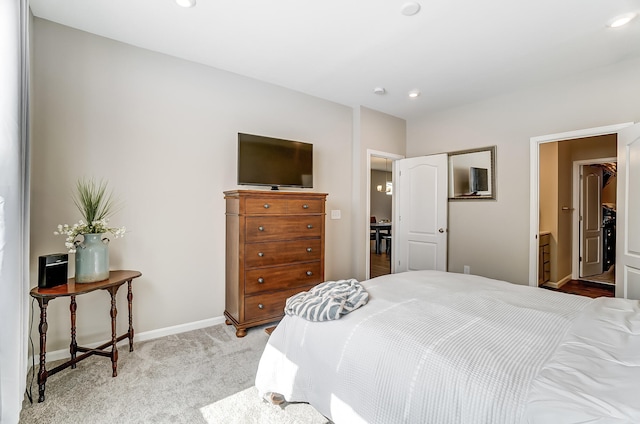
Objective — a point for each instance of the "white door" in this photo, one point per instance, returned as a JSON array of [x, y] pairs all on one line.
[[420, 218], [591, 254], [628, 214]]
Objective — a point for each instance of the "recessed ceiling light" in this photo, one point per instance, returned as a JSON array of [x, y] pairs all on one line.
[[186, 3], [414, 93], [622, 20], [410, 9], [379, 90]]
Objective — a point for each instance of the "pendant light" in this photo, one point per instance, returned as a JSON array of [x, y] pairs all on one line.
[[387, 188], [388, 184]]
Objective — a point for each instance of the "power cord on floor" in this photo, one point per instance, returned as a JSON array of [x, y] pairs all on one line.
[[28, 390]]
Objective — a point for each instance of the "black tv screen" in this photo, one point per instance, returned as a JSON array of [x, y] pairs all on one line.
[[478, 179], [274, 162]]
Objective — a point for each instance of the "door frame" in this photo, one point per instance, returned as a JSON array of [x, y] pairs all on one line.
[[392, 157], [576, 209], [534, 183]]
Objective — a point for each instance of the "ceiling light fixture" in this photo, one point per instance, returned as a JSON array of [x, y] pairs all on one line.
[[410, 9], [379, 90], [622, 20], [413, 94], [186, 3]]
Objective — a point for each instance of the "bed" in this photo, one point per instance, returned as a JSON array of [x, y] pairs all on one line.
[[436, 347]]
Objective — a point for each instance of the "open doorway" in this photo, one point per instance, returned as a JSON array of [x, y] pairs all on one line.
[[574, 198], [379, 172], [380, 214], [596, 182]]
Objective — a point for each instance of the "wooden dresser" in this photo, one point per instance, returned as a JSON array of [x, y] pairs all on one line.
[[274, 249], [544, 260]]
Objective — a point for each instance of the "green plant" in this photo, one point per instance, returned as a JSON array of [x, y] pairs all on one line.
[[96, 205], [92, 200]]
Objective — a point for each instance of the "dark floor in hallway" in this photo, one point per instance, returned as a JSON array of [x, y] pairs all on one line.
[[586, 288], [379, 264]]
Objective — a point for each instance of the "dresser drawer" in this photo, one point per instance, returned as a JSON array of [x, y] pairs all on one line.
[[281, 252], [302, 206], [268, 305], [282, 277], [267, 228], [265, 206], [545, 239]]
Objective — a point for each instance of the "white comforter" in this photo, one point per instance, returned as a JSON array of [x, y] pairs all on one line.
[[434, 347]]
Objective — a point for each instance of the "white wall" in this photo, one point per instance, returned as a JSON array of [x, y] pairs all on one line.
[[383, 133], [162, 131], [493, 236], [380, 201]]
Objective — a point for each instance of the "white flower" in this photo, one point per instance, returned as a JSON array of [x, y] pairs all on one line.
[[80, 228]]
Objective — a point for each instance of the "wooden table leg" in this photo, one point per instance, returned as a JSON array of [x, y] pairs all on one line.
[[114, 348], [42, 373], [73, 347], [130, 300]]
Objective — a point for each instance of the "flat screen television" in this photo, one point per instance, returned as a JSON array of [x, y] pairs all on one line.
[[478, 179], [267, 161]]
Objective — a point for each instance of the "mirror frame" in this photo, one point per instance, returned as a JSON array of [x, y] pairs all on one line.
[[468, 155]]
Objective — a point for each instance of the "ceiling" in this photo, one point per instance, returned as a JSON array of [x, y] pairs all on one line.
[[453, 51]]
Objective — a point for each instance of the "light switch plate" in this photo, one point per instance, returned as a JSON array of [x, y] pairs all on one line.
[[335, 214]]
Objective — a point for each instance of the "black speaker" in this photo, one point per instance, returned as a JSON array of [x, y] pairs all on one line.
[[52, 270]]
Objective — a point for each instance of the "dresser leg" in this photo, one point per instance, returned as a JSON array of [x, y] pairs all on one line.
[[241, 332]]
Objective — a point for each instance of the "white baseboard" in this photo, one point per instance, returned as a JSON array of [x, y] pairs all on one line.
[[557, 285], [140, 337]]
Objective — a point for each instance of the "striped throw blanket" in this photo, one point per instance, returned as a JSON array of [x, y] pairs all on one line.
[[327, 301]]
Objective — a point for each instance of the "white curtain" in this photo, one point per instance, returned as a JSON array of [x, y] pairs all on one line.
[[14, 206]]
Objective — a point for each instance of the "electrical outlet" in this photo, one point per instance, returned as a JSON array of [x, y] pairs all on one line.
[[467, 269]]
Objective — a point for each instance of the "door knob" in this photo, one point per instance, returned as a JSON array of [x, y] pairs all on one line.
[[441, 230]]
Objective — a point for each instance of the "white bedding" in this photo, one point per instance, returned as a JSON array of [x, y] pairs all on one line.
[[434, 347]]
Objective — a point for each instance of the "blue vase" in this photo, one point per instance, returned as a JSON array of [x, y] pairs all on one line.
[[92, 259]]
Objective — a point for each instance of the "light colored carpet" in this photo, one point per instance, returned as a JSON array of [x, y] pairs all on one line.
[[247, 408], [196, 377]]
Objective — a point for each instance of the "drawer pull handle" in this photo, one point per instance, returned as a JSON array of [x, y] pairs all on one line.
[[309, 226], [260, 280], [309, 273], [266, 206], [260, 254], [261, 228], [260, 306], [309, 249], [305, 206]]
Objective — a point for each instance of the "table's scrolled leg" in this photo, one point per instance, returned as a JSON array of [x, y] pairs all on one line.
[[42, 373], [114, 348], [73, 347], [130, 300]]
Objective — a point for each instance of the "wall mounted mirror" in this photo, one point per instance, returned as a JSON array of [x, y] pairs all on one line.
[[472, 174]]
